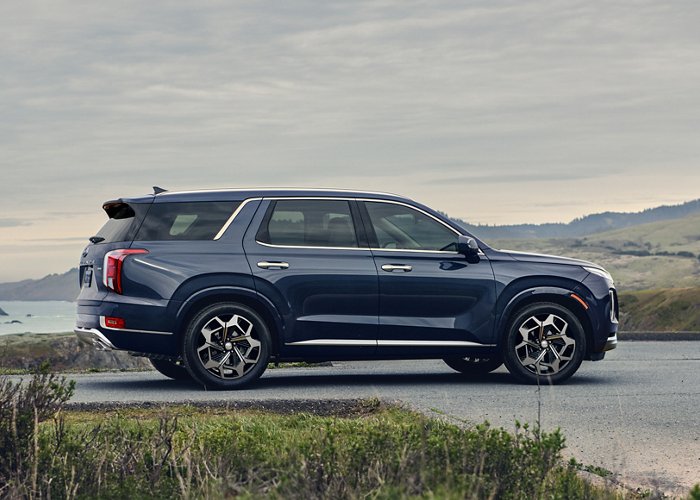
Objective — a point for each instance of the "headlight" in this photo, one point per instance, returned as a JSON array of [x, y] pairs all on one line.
[[599, 272]]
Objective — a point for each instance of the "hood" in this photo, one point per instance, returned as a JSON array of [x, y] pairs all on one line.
[[547, 259]]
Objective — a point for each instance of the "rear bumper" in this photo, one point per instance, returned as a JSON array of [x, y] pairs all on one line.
[[95, 338]]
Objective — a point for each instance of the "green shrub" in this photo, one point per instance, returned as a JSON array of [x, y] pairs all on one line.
[[23, 406]]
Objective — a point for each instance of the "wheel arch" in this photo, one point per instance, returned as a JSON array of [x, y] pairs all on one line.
[[558, 295], [221, 294]]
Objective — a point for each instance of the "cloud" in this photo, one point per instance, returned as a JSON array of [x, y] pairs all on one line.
[[11, 222]]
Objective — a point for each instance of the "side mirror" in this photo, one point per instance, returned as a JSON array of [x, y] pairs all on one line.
[[467, 246]]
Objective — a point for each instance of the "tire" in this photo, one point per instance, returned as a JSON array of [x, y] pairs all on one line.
[[472, 365], [171, 370], [226, 346], [545, 343]]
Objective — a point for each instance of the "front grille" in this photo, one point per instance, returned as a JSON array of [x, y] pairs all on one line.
[[614, 306]]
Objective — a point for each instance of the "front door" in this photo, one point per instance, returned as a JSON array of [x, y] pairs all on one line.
[[308, 257], [430, 297]]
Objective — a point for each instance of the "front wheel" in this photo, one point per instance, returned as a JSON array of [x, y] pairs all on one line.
[[226, 346], [472, 365], [545, 343]]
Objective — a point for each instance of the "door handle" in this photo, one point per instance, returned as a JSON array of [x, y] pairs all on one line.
[[395, 267], [263, 264]]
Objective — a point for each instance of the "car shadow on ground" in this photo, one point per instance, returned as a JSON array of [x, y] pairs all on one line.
[[279, 379]]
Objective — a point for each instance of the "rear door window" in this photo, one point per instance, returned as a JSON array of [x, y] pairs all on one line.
[[185, 221], [310, 223]]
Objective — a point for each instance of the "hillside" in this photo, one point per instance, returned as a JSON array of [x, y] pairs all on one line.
[[52, 287], [584, 226], [666, 310], [655, 255]]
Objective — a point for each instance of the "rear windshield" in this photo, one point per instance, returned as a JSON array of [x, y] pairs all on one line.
[[185, 221], [124, 221]]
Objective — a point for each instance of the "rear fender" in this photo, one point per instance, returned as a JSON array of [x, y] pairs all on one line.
[[261, 304]]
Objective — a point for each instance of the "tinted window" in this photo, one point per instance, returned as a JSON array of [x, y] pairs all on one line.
[[398, 226], [315, 223], [124, 221], [185, 221]]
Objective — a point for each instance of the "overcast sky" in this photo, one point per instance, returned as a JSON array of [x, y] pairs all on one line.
[[496, 112]]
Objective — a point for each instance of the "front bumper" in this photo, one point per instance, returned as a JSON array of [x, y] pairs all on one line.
[[611, 343]]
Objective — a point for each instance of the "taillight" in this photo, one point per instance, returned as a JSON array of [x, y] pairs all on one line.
[[112, 270]]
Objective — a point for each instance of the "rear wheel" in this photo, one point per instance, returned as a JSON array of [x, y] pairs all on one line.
[[545, 343], [170, 369], [226, 346], [472, 365]]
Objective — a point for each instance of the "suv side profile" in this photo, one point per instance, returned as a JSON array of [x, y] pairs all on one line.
[[214, 285]]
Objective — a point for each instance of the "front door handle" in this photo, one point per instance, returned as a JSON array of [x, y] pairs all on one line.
[[396, 267], [263, 264]]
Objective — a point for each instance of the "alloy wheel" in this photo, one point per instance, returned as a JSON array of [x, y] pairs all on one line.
[[545, 346], [227, 347]]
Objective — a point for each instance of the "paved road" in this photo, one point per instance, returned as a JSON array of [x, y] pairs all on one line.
[[636, 413]]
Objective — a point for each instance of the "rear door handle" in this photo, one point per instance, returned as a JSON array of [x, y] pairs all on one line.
[[263, 264], [396, 267]]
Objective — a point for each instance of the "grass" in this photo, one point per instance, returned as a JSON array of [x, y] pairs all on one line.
[[378, 451]]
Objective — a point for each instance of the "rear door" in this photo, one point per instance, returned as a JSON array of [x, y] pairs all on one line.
[[430, 297], [309, 256]]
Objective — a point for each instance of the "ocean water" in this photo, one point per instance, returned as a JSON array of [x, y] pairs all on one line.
[[49, 316]]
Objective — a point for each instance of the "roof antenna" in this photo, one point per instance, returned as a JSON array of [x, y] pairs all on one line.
[[158, 190]]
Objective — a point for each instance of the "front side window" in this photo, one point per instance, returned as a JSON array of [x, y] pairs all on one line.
[[311, 223], [401, 227]]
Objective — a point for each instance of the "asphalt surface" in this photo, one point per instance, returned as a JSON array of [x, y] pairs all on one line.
[[636, 413]]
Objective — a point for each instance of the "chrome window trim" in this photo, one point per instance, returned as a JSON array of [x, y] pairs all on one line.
[[233, 217], [103, 324], [310, 248], [337, 198]]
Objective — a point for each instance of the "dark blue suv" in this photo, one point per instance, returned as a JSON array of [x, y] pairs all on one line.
[[214, 285]]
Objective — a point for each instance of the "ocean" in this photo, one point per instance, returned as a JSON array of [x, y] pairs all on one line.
[[48, 316]]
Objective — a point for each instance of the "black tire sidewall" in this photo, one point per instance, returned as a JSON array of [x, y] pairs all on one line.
[[472, 368], [190, 338], [512, 338], [170, 369]]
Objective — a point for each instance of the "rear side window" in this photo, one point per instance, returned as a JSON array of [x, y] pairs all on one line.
[[313, 223], [124, 221], [185, 221]]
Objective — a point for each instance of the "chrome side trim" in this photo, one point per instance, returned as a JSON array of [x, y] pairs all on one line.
[[233, 216], [345, 342], [431, 343], [154, 332], [389, 343], [95, 338]]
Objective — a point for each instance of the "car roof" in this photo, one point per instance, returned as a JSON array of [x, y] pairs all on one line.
[[242, 194]]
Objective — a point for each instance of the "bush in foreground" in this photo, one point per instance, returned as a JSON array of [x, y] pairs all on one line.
[[185, 452]]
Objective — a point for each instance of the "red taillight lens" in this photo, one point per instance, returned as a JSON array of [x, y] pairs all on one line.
[[112, 271], [112, 322]]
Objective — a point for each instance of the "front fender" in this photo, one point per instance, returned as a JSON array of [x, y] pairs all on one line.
[[528, 296]]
